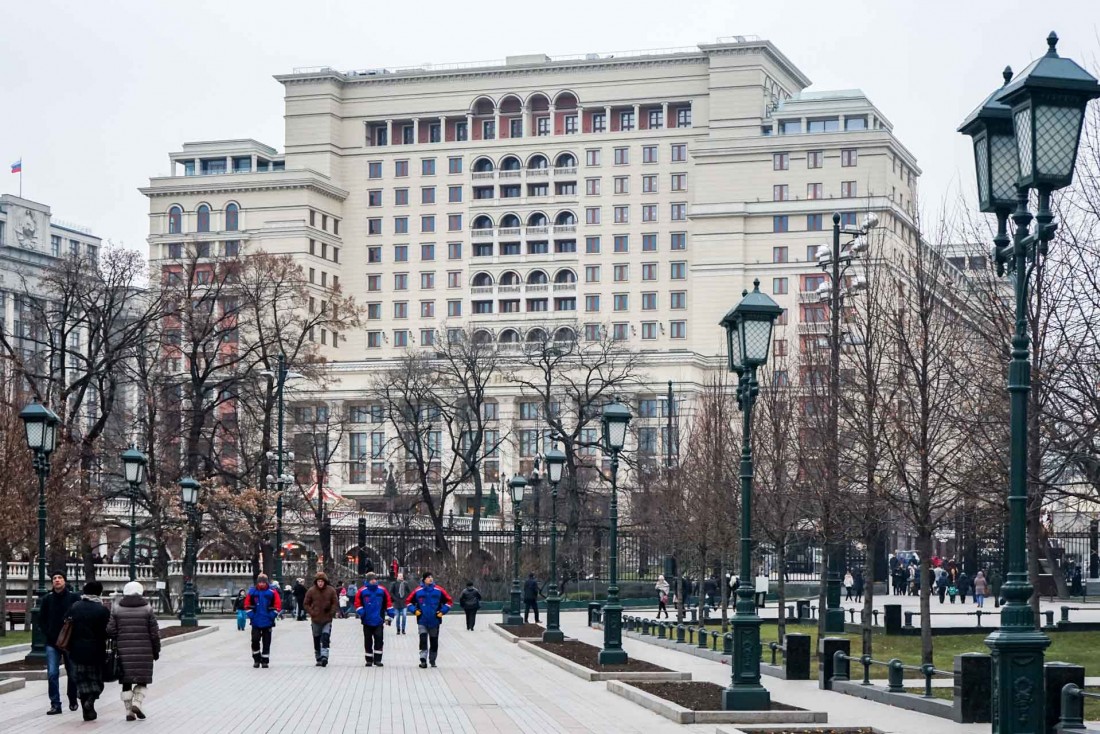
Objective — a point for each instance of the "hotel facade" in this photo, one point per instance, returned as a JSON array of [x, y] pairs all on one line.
[[629, 195]]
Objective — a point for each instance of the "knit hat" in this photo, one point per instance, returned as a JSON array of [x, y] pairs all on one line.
[[425, 575], [60, 572], [133, 588]]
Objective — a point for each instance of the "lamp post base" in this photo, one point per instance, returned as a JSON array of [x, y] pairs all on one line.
[[1018, 703], [746, 698], [188, 617], [834, 620], [745, 692], [38, 637], [553, 631], [512, 616], [612, 652]]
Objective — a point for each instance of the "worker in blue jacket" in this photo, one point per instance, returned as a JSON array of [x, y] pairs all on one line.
[[429, 603], [374, 608]]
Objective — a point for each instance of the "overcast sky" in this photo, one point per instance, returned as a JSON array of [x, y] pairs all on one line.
[[97, 93]]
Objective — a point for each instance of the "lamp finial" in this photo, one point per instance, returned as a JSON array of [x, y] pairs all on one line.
[[1007, 75], [1052, 43]]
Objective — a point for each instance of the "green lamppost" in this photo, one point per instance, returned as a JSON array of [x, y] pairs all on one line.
[[615, 418], [1025, 137], [280, 479], [555, 462], [748, 337], [189, 493], [517, 484], [133, 464], [40, 424]]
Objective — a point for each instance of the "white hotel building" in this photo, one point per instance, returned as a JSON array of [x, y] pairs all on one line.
[[637, 193]]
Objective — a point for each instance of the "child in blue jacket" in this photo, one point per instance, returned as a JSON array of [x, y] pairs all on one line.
[[262, 606], [375, 609]]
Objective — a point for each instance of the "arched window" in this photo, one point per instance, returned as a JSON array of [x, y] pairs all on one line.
[[565, 218], [538, 162], [482, 222], [510, 163], [536, 336], [537, 219], [566, 160], [509, 220], [203, 218], [481, 336], [175, 220], [483, 165], [232, 217], [536, 277], [565, 334], [482, 279], [565, 276], [509, 278], [509, 336]]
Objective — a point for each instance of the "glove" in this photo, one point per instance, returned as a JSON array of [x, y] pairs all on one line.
[[439, 615], [417, 613], [388, 622]]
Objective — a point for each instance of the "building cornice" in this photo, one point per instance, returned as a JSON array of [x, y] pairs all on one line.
[[232, 184]]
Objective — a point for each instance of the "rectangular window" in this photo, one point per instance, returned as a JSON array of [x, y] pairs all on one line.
[[374, 254], [814, 158], [649, 271], [400, 197], [401, 338], [427, 252], [847, 189], [779, 347], [454, 250], [621, 273], [454, 278], [649, 331], [649, 243], [401, 309], [599, 122], [779, 254], [848, 219], [537, 304], [679, 182], [592, 215], [592, 303], [591, 273], [677, 300], [649, 212], [679, 212], [427, 309], [592, 187], [781, 161], [400, 169], [454, 194], [622, 184], [488, 129], [811, 252], [570, 124], [649, 301], [483, 249], [435, 132], [537, 248], [374, 169], [678, 270], [400, 281], [780, 223], [649, 184], [427, 195], [679, 152], [849, 157], [454, 308], [374, 197], [790, 127], [855, 123], [592, 245], [374, 339], [454, 222], [482, 307], [779, 286], [542, 125], [374, 226], [626, 120], [656, 119], [683, 117], [427, 281], [427, 166], [622, 156], [407, 135], [780, 192], [508, 248], [374, 282], [565, 246], [677, 329], [427, 337], [515, 128], [826, 125], [649, 154], [592, 157], [814, 191], [565, 304], [461, 131], [427, 223], [814, 222], [510, 306], [592, 333], [400, 253], [400, 226], [454, 165], [678, 241], [620, 332], [622, 215], [622, 243]]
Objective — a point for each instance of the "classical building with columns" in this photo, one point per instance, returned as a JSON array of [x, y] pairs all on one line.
[[632, 194]]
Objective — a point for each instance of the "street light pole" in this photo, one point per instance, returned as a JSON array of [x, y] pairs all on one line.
[[40, 424], [615, 418], [748, 333], [555, 462], [189, 490], [133, 465], [1025, 136], [517, 485], [279, 377]]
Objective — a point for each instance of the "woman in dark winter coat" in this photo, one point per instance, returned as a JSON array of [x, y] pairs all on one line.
[[88, 645], [133, 627]]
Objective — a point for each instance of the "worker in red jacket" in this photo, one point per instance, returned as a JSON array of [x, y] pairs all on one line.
[[429, 603], [374, 608], [262, 606]]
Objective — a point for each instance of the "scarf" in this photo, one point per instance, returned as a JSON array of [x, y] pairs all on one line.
[[87, 597]]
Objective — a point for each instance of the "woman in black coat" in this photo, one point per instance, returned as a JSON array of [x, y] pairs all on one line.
[[133, 627], [88, 645]]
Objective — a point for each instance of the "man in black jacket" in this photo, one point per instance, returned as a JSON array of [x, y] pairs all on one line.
[[300, 599], [531, 592], [54, 608]]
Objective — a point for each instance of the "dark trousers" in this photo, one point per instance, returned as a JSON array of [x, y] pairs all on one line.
[[372, 642], [662, 607], [322, 635], [261, 644], [528, 605], [471, 617], [429, 642]]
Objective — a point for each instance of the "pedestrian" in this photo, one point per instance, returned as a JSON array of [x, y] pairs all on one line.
[[531, 591], [264, 605], [299, 590], [470, 601], [288, 601], [710, 591], [964, 586], [88, 645], [344, 600], [662, 595], [321, 604], [981, 588], [375, 610], [399, 591], [429, 603], [133, 627], [941, 584], [238, 607], [849, 582], [53, 608], [858, 585]]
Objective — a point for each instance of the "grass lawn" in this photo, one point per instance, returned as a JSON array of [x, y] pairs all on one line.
[[15, 638]]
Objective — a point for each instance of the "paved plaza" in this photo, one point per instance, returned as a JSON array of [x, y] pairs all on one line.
[[484, 684]]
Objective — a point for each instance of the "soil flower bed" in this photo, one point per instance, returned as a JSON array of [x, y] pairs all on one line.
[[165, 633], [697, 696], [588, 655], [523, 630], [803, 730]]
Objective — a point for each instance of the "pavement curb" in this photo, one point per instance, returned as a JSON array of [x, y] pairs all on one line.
[[509, 636], [208, 630], [681, 715], [8, 685], [593, 675]]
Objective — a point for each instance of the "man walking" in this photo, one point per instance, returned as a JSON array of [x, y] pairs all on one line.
[[262, 605], [374, 608], [299, 599], [531, 593], [470, 601], [53, 609], [321, 604], [399, 591], [429, 603]]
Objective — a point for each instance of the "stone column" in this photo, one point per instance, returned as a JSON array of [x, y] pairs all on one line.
[[469, 126], [524, 116], [442, 128], [389, 132], [664, 115], [553, 112], [416, 130], [607, 118], [637, 117]]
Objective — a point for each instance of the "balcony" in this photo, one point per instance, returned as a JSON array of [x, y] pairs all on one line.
[[536, 231], [565, 229], [483, 175], [570, 172], [814, 327], [509, 231], [485, 233], [478, 290], [510, 174], [564, 287], [809, 297]]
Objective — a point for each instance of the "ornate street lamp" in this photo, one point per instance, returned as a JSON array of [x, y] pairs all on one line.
[[133, 465], [41, 425], [555, 462], [1047, 104], [748, 337], [189, 493], [280, 479], [517, 484], [615, 418]]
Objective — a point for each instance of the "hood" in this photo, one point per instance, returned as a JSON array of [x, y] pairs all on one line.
[[321, 576], [133, 601]]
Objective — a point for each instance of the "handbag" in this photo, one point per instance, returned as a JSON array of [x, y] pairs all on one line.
[[64, 637], [112, 665]]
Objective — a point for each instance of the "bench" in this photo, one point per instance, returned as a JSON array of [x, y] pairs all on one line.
[[16, 616]]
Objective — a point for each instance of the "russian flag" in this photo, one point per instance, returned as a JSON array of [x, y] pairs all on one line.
[[17, 167]]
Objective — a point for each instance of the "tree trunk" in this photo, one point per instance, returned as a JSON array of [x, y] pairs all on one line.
[[924, 546], [475, 520], [160, 571], [781, 591], [871, 542]]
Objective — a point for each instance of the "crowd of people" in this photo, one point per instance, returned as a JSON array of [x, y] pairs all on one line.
[[947, 580]]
